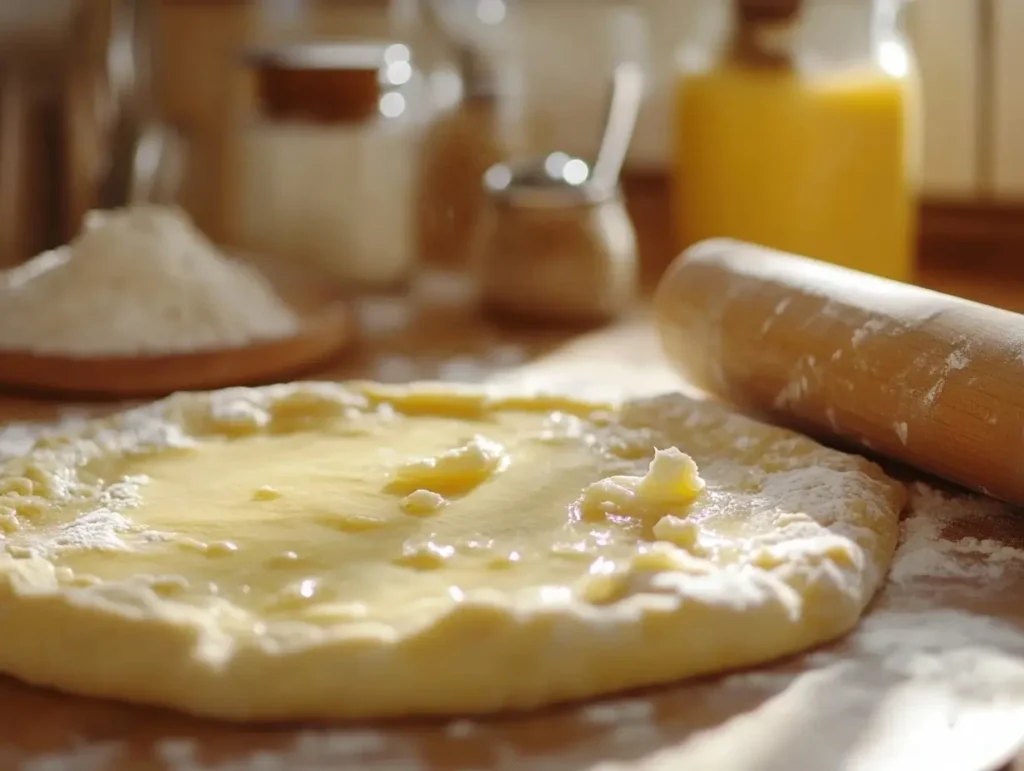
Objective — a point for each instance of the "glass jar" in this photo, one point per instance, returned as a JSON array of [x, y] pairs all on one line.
[[329, 169], [553, 250], [326, 165], [797, 126]]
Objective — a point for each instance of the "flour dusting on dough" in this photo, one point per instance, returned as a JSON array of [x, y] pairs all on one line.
[[907, 641]]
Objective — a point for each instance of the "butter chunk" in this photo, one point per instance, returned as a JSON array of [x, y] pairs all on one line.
[[671, 478], [422, 503], [453, 472], [672, 481]]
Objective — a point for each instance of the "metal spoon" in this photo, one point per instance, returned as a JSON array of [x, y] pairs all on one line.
[[158, 166], [627, 92]]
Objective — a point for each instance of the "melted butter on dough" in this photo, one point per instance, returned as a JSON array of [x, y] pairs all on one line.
[[672, 481], [317, 550], [454, 472], [342, 507]]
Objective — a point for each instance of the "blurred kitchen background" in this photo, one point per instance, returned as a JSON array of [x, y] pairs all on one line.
[[184, 101]]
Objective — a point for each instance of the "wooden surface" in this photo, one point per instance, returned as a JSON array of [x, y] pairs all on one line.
[[320, 337], [933, 679], [924, 378]]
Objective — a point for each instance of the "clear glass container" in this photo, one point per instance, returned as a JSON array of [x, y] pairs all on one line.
[[553, 250], [327, 167], [797, 126]]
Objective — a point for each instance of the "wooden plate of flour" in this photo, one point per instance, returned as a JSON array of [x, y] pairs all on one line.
[[327, 327]]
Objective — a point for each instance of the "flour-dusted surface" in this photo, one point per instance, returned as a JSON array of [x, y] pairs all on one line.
[[933, 678], [934, 547], [137, 281]]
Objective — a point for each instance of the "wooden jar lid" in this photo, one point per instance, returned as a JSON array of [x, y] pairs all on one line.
[[320, 82], [768, 11]]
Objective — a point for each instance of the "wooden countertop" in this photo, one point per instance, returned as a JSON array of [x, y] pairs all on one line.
[[817, 711], [439, 335]]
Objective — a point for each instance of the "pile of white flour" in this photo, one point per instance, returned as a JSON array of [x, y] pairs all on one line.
[[137, 281]]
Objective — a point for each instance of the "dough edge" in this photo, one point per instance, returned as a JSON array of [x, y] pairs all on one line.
[[84, 640]]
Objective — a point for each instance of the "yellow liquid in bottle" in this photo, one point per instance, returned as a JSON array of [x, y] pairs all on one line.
[[818, 165]]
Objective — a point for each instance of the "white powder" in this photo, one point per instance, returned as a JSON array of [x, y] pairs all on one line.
[[308, 751], [926, 553], [81, 757], [135, 281], [957, 360], [460, 729], [618, 712]]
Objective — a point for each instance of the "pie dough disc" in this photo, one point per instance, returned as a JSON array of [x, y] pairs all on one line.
[[318, 550]]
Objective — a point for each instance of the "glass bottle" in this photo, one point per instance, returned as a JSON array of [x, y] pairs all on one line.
[[797, 126]]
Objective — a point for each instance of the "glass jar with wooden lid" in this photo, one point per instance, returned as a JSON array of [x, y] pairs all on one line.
[[330, 165]]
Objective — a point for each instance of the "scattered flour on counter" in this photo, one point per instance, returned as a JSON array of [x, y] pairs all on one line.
[[87, 757], [141, 280], [626, 721], [308, 751], [925, 553], [617, 712], [461, 729]]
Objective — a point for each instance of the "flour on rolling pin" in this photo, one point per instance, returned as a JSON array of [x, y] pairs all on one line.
[[806, 376], [956, 361], [805, 372], [870, 327], [927, 379]]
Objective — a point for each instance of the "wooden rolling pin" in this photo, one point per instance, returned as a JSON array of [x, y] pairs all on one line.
[[924, 378]]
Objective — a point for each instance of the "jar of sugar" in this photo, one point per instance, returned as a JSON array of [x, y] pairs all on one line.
[[328, 171]]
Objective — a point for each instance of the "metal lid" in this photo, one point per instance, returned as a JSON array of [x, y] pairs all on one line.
[[480, 76], [556, 180]]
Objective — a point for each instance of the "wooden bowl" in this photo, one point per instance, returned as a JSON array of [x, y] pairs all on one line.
[[327, 327]]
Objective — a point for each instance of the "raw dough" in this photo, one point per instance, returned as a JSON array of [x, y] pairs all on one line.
[[319, 550]]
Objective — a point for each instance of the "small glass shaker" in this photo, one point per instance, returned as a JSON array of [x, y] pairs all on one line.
[[554, 246]]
